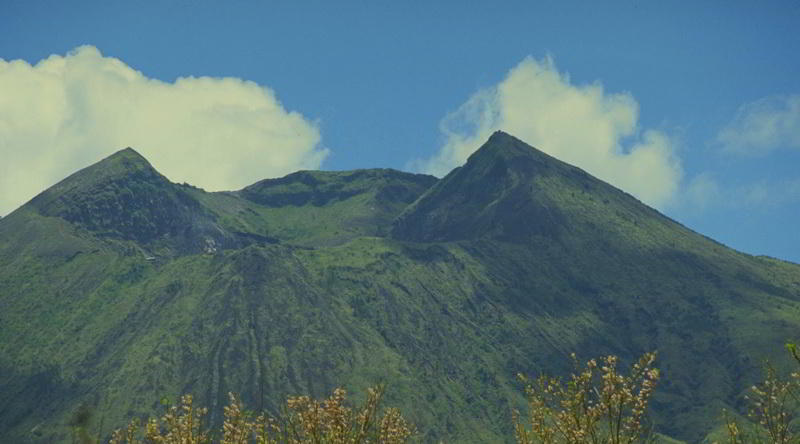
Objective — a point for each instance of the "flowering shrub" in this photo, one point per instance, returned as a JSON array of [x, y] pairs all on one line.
[[772, 403], [306, 421], [182, 425], [597, 404]]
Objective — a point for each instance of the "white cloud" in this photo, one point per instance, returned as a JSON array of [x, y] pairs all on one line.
[[67, 112], [705, 192], [767, 193], [702, 191], [764, 125], [579, 124]]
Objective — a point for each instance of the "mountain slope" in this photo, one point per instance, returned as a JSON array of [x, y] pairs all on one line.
[[510, 191], [325, 207], [575, 246], [506, 265]]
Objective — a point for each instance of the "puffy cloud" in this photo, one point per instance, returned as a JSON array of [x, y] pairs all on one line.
[[579, 124], [67, 112], [764, 125]]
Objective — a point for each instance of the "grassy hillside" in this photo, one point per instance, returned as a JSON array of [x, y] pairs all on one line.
[[443, 289]]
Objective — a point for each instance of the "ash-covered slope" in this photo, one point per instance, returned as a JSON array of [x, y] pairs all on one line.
[[506, 265]]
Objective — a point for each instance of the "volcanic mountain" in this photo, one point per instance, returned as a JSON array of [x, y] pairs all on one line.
[[119, 288]]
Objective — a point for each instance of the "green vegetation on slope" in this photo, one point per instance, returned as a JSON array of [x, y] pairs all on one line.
[[445, 292]]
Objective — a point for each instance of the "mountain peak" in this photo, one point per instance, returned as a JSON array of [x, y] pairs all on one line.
[[501, 136], [505, 146], [126, 160], [122, 196], [510, 190], [493, 194], [121, 165], [129, 153]]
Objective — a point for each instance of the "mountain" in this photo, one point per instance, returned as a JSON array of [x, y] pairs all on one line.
[[119, 288], [324, 207]]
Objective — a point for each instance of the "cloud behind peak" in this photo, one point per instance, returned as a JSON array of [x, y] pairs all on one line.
[[579, 124], [66, 112]]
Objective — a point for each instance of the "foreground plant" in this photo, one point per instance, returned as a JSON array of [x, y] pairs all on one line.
[[597, 404], [180, 425], [305, 421], [772, 403]]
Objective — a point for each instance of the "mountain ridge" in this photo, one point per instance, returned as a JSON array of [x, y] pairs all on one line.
[[444, 288]]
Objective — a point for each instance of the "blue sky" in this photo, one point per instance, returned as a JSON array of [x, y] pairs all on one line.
[[694, 107]]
